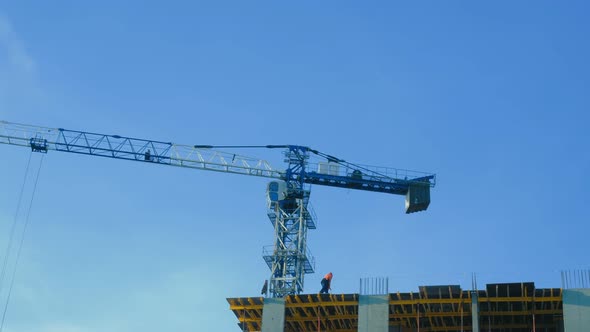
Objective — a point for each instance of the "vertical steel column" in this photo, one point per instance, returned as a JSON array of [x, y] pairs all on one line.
[[418, 316], [319, 319], [461, 316]]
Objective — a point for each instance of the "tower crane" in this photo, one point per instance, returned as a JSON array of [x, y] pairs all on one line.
[[288, 191]]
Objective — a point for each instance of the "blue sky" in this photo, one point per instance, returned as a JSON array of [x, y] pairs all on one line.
[[493, 97]]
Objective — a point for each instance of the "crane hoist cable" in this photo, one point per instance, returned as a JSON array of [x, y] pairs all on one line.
[[13, 226], [20, 246]]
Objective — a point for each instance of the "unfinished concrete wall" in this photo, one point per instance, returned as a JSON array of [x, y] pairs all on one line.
[[373, 313], [576, 310], [475, 311], [273, 315]]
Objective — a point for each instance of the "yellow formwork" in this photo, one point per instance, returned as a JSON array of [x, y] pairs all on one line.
[[543, 310]]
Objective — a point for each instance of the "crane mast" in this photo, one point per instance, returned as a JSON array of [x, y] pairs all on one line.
[[288, 192], [290, 213]]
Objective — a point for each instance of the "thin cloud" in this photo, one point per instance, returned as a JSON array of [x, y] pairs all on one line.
[[19, 81], [12, 47]]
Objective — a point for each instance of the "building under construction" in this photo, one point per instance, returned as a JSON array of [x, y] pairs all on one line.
[[500, 307], [508, 307]]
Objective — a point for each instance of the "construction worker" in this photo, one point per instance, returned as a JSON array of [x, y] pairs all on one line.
[[326, 281]]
